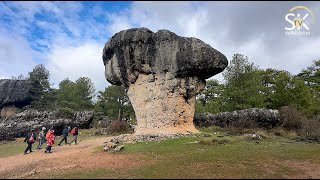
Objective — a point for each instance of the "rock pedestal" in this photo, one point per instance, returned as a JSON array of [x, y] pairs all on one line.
[[162, 73], [161, 106]]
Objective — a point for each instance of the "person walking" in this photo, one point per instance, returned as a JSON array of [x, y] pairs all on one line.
[[75, 132], [50, 140], [65, 134], [30, 139], [41, 137]]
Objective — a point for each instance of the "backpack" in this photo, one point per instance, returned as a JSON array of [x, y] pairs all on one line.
[[31, 139], [73, 130], [48, 134]]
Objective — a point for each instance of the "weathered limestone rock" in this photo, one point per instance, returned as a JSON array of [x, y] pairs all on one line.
[[132, 138], [162, 73], [14, 93], [17, 125], [114, 147], [8, 111], [245, 118]]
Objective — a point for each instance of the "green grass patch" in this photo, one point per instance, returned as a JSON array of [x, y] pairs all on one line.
[[10, 148], [225, 157], [212, 154]]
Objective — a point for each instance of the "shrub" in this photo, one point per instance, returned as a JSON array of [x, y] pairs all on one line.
[[117, 126], [95, 123], [279, 131], [311, 129], [292, 119]]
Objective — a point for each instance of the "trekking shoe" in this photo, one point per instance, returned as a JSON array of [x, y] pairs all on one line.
[[45, 151], [59, 144], [31, 151], [25, 153], [49, 152]]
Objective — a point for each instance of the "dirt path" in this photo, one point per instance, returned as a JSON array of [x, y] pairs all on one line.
[[64, 157]]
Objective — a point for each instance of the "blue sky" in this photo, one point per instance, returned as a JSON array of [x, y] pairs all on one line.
[[68, 37]]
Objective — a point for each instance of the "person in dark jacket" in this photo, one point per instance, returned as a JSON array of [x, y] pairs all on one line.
[[74, 131], [30, 139], [65, 134]]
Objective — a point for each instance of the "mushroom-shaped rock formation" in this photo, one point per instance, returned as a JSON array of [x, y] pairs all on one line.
[[162, 73]]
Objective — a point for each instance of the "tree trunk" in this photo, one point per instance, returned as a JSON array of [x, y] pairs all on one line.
[[119, 115]]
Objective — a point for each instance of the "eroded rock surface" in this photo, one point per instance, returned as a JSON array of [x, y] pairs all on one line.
[[20, 123], [245, 118], [162, 73], [14, 94]]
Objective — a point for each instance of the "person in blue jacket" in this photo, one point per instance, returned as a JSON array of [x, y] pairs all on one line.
[[65, 135]]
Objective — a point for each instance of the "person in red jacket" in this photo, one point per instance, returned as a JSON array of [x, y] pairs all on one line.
[[75, 132], [50, 140]]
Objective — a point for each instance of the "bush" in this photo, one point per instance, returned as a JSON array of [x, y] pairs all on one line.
[[311, 129], [279, 132], [292, 119], [117, 126]]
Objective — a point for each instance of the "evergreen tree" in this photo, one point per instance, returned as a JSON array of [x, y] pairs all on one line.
[[243, 87], [211, 99], [115, 103], [76, 95], [41, 91]]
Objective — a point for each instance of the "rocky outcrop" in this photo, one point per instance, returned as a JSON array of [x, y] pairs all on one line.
[[20, 123], [162, 73], [253, 117], [15, 92], [132, 138]]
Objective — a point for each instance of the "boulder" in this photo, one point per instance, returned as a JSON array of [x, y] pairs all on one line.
[[15, 92], [162, 73], [245, 118], [20, 123]]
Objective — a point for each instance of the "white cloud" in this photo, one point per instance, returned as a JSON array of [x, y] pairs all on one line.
[[73, 62], [76, 40], [16, 56], [70, 51], [256, 31], [117, 23]]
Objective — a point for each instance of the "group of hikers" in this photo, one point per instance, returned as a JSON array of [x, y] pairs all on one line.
[[49, 137]]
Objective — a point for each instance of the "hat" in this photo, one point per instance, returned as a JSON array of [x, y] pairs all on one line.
[[43, 128]]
